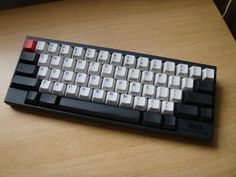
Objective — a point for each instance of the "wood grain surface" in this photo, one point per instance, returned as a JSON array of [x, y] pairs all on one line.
[[34, 144]]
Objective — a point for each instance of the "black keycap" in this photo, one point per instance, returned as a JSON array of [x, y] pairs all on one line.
[[205, 86], [32, 97], [205, 114], [197, 99], [15, 96], [151, 119], [99, 110], [26, 70], [186, 111], [169, 122], [48, 100], [25, 83], [29, 57]]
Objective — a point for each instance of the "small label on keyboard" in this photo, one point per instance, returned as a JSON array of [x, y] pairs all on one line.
[[194, 128]]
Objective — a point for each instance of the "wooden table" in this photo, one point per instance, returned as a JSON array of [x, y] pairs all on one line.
[[35, 144]]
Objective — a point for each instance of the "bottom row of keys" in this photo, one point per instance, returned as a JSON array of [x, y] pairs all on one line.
[[154, 122], [157, 120], [102, 111], [182, 111]]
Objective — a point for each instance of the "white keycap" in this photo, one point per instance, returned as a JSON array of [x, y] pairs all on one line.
[[161, 80], [81, 79], [44, 60], [121, 86], [43, 72], [56, 75], [167, 107], [156, 66], [147, 77], [135, 88], [41, 47], [45, 86], [140, 103], [59, 88], [208, 73], [129, 61], [98, 96], [68, 77], [187, 84], [108, 84], [120, 73], [182, 70], [94, 82], [107, 70], [175, 95], [90, 55], [94, 68], [66, 51], [112, 98], [154, 105], [53, 48], [85, 93], [162, 93], [68, 64], [134, 75], [78, 53], [103, 57], [72, 91], [116, 59], [56, 62], [174, 82], [81, 66], [169, 68], [149, 91], [195, 72], [143, 63], [126, 101]]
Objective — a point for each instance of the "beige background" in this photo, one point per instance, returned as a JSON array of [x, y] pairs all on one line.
[[36, 144]]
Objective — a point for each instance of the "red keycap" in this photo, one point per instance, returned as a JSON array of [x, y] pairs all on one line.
[[30, 45]]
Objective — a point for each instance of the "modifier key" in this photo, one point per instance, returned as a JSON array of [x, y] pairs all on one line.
[[26, 70], [32, 97], [25, 83], [169, 122], [151, 119], [48, 100], [197, 99], [15, 96], [186, 111], [205, 114]]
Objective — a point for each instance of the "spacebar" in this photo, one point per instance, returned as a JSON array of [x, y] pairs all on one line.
[[99, 110]]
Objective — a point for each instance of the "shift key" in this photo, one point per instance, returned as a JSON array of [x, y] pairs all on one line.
[[197, 99], [25, 83]]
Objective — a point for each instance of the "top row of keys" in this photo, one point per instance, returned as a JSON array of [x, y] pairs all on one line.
[[90, 55]]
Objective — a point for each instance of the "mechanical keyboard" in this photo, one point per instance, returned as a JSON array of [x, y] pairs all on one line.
[[134, 90]]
